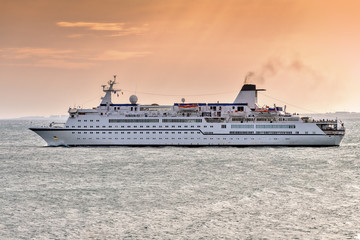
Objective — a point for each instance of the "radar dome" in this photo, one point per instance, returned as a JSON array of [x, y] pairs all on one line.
[[133, 99]]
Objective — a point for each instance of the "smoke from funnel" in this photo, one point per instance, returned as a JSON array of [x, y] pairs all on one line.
[[274, 66], [248, 77]]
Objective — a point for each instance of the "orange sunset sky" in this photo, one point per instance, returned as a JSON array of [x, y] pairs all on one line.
[[56, 53]]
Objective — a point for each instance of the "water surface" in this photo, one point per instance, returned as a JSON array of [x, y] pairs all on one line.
[[175, 192]]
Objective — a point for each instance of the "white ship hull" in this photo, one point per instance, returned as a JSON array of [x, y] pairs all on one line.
[[241, 123], [183, 137]]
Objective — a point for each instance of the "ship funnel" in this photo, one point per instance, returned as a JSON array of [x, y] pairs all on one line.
[[248, 94]]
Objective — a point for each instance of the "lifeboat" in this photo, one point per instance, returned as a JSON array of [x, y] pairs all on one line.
[[261, 110], [188, 107]]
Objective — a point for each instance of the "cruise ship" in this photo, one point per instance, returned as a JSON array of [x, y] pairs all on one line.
[[240, 123]]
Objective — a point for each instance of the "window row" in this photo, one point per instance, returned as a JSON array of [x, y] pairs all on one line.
[[132, 120], [205, 139], [134, 132], [242, 132], [89, 120], [141, 138], [160, 126], [275, 126], [181, 120], [242, 126], [271, 133]]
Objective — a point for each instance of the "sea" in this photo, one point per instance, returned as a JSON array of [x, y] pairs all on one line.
[[177, 192]]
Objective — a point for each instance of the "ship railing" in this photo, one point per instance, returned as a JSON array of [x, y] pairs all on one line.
[[326, 121], [334, 132], [270, 120], [330, 125], [160, 115], [341, 126]]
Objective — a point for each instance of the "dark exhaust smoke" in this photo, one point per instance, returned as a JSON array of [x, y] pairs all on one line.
[[274, 66]]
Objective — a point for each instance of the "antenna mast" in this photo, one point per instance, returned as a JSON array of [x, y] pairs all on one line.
[[108, 90]]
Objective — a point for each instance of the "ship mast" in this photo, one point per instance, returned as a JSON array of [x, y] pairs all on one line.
[[108, 91]]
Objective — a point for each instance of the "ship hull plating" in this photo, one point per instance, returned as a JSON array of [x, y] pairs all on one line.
[[131, 138]]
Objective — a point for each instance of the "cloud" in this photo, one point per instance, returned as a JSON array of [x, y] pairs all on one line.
[[94, 25], [119, 55], [27, 52], [59, 58], [60, 63], [119, 29], [76, 35], [43, 57]]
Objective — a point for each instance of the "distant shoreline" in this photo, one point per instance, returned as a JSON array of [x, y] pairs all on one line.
[[53, 117]]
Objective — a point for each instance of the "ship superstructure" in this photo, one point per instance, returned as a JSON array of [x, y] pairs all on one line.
[[241, 123]]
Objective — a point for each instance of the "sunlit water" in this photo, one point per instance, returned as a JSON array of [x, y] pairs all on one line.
[[177, 193]]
